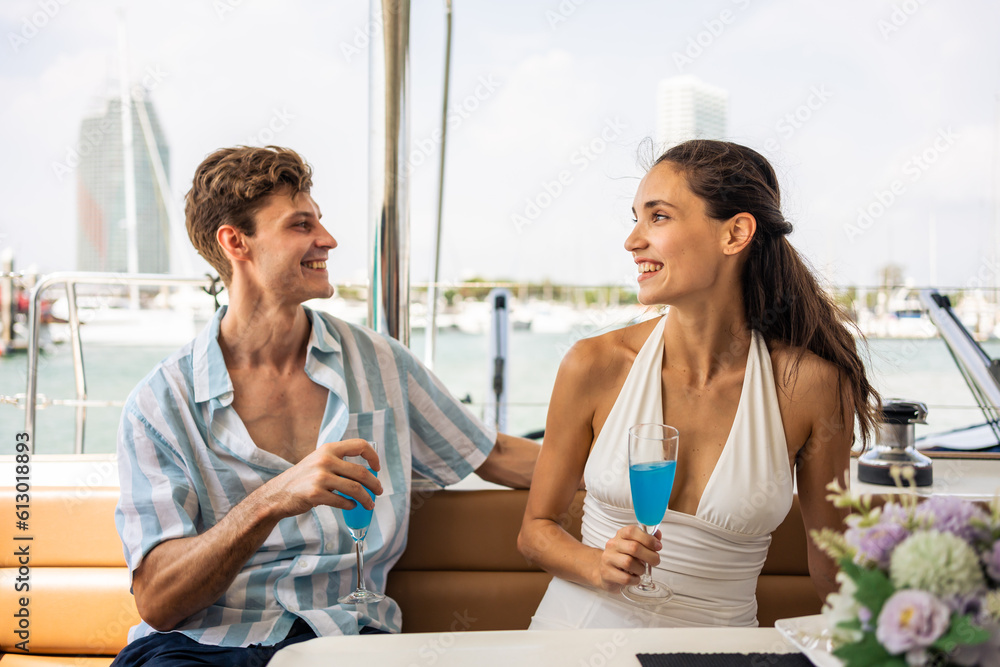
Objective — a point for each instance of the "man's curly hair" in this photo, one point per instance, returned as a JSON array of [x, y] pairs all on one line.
[[230, 186]]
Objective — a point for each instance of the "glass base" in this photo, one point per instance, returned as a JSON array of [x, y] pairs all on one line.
[[650, 594], [361, 596]]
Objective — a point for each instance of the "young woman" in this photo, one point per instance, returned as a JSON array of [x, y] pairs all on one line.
[[752, 363]]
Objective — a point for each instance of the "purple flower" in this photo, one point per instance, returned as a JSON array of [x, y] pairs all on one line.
[[911, 619], [949, 514], [980, 654], [991, 559], [874, 544]]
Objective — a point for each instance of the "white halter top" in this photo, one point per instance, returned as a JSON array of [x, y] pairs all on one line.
[[712, 559]]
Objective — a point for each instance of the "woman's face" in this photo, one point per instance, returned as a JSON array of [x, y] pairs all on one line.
[[677, 248]]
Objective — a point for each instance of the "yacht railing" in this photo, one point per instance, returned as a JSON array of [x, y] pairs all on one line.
[[981, 373], [71, 280]]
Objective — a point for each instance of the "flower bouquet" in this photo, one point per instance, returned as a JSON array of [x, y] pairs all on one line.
[[918, 582]]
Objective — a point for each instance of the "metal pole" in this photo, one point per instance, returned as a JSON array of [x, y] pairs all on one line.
[[71, 279], [495, 410], [432, 289], [389, 270], [6, 300]]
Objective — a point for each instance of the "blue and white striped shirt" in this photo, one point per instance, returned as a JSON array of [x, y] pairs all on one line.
[[186, 459]]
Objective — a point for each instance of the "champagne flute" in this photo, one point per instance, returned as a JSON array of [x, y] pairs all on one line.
[[652, 461], [358, 519]]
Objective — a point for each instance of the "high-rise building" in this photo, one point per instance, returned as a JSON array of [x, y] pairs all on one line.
[[687, 108], [102, 237]]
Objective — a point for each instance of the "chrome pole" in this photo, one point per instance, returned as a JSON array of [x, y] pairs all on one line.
[[432, 289], [389, 269], [71, 279], [79, 375]]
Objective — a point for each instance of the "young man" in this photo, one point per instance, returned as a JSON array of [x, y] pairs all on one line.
[[231, 451]]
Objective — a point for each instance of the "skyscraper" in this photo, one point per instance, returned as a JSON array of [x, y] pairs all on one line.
[[687, 108], [102, 238]]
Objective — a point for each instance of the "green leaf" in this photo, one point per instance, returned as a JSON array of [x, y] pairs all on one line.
[[874, 588], [867, 653], [850, 568], [961, 632]]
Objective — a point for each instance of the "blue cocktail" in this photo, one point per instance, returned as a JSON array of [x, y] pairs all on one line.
[[358, 518], [651, 486], [652, 462]]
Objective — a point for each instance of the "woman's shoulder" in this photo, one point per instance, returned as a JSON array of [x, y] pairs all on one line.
[[599, 357]]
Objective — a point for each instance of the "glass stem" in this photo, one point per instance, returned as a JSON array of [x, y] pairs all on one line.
[[359, 546], [646, 579]]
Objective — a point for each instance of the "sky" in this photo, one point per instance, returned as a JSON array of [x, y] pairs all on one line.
[[880, 117]]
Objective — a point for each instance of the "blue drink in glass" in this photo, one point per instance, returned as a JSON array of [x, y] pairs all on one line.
[[359, 518], [652, 463], [651, 486]]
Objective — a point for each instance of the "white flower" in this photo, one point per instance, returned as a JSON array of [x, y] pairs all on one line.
[[841, 606], [939, 563]]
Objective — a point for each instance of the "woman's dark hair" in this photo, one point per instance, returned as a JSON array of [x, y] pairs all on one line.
[[780, 294]]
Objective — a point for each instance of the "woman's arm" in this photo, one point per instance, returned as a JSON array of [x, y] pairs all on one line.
[[569, 433], [825, 456]]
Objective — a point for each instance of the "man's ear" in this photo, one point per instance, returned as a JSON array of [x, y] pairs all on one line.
[[739, 231], [233, 243]]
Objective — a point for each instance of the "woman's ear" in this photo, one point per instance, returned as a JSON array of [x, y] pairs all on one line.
[[233, 243], [739, 231]]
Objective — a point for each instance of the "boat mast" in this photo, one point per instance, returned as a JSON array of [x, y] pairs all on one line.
[[128, 159], [432, 290], [388, 147]]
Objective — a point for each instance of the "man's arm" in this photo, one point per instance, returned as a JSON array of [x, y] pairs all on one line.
[[180, 577], [511, 462]]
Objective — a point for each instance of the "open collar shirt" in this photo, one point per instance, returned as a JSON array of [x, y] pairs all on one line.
[[186, 459]]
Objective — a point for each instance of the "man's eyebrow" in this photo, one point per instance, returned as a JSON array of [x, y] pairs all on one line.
[[305, 214]]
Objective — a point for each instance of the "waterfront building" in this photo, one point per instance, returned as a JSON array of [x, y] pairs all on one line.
[[688, 108], [102, 237]]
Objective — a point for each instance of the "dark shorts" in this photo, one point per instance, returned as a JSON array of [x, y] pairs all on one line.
[[173, 649]]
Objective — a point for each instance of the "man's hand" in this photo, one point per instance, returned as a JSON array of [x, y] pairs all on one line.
[[180, 577], [315, 479]]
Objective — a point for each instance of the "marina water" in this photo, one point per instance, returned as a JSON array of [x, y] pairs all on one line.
[[919, 369]]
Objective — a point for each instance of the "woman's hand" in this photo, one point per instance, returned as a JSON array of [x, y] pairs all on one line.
[[625, 556]]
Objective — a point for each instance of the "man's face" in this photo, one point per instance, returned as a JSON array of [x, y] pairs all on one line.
[[289, 249]]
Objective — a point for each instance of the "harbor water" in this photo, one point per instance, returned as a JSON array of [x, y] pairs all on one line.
[[919, 369]]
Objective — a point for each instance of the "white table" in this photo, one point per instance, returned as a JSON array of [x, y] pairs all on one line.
[[578, 648]]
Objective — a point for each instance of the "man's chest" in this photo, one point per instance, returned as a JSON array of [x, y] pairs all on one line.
[[282, 415]]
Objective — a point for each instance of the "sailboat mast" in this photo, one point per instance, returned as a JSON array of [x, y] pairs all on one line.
[[128, 159]]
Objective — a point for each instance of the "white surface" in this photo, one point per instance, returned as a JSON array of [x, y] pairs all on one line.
[[524, 648], [810, 635], [89, 470], [975, 479]]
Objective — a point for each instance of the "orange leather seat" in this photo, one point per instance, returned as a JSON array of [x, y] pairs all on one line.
[[461, 571]]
